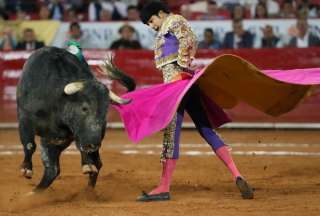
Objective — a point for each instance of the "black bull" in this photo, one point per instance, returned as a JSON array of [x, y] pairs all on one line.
[[60, 100]]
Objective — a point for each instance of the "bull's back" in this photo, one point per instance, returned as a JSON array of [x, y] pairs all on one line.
[[40, 95], [51, 67], [45, 74]]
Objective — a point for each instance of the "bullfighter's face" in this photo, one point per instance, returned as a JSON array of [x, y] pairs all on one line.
[[155, 21]]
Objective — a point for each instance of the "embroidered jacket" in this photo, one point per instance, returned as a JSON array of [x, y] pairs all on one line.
[[175, 42]]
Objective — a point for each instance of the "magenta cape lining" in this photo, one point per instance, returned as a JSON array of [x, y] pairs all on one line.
[[227, 80]]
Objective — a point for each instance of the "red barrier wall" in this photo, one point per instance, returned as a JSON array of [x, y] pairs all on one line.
[[139, 64]]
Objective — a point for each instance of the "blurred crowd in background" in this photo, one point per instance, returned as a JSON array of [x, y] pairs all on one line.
[[77, 11]]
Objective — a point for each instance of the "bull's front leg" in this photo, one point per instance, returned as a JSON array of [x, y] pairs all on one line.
[[91, 164], [50, 155], [27, 139]]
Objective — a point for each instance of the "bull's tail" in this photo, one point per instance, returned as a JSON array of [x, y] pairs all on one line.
[[115, 73]]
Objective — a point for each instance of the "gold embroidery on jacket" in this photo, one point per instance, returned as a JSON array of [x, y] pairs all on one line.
[[169, 71], [167, 60], [180, 28]]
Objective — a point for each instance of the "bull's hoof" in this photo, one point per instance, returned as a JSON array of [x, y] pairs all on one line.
[[89, 168], [27, 173]]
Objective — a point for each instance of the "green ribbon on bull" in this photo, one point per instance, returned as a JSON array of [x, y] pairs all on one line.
[[74, 47]]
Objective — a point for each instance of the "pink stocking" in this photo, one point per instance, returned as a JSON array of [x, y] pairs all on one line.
[[168, 167], [224, 155]]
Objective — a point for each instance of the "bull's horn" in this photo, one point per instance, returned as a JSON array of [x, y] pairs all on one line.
[[118, 99], [73, 87]]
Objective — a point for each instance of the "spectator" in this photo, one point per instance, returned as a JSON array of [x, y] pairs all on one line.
[[261, 11], [127, 40], [186, 12], [119, 9], [75, 31], [29, 6], [198, 6], [209, 41], [131, 2], [272, 7], [7, 39], [238, 12], [3, 14], [44, 13], [94, 10], [71, 15], [77, 5], [22, 15], [133, 13], [287, 10], [304, 8], [29, 41], [56, 9], [303, 37], [229, 4], [105, 15], [75, 34], [212, 13], [238, 38], [269, 40]]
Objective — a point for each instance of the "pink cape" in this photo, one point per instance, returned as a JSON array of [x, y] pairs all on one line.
[[225, 81]]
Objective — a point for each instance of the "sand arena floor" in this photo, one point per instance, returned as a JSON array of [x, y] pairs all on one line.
[[282, 166]]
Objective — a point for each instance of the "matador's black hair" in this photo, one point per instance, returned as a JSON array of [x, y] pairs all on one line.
[[152, 8]]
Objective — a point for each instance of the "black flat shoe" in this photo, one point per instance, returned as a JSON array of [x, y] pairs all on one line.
[[244, 188], [154, 197]]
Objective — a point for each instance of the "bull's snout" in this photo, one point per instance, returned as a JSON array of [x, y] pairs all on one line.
[[89, 148]]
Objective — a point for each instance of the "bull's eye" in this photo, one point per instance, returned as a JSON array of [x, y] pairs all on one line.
[[84, 109]]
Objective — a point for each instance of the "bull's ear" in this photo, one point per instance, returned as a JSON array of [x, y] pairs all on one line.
[[74, 87]]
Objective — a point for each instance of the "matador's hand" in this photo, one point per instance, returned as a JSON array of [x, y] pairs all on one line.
[[192, 69]]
